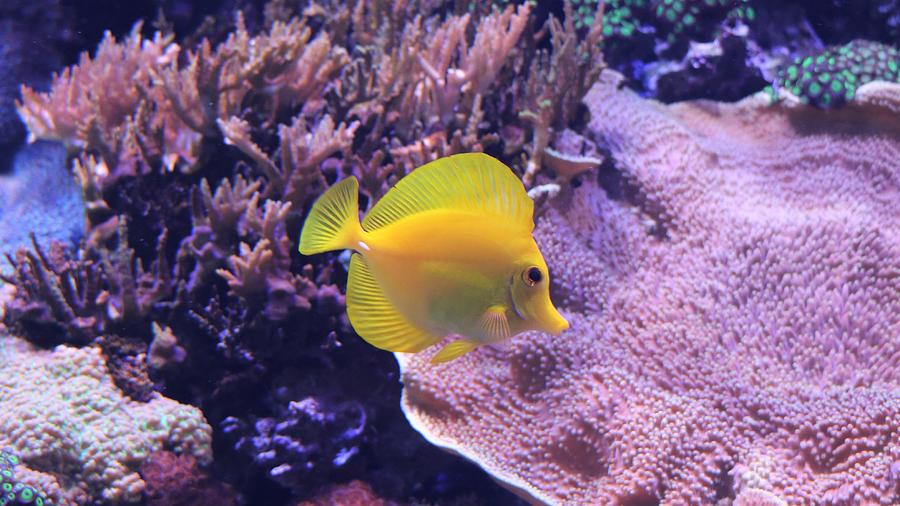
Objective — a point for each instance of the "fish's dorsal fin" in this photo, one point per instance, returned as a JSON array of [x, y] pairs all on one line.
[[495, 324], [469, 181], [375, 319], [453, 350]]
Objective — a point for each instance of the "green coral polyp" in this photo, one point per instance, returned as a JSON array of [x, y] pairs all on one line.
[[677, 19], [14, 491], [831, 78]]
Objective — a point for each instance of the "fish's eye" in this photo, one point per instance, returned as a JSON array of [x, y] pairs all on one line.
[[532, 276]]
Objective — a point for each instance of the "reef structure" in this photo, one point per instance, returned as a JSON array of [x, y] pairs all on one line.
[[831, 77], [77, 437], [731, 283]]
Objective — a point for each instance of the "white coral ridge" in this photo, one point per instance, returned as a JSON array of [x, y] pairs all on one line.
[[62, 414]]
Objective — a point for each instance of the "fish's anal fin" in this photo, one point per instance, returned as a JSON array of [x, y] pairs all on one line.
[[453, 350], [495, 324], [375, 319]]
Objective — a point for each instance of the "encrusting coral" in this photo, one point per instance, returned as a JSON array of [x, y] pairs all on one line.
[[64, 416], [732, 292]]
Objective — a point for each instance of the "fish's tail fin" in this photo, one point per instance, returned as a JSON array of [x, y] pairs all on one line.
[[333, 221]]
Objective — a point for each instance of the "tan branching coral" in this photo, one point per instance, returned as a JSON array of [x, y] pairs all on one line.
[[558, 80], [427, 149], [285, 63], [457, 72], [99, 93], [495, 37], [132, 288], [261, 274], [245, 242], [215, 218], [102, 105], [138, 107], [53, 289], [303, 149], [296, 175], [202, 90], [75, 299], [247, 271]]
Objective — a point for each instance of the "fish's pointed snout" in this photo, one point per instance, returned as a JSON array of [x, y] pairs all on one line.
[[556, 324]]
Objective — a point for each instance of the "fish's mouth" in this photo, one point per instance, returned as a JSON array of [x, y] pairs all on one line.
[[556, 324], [552, 322]]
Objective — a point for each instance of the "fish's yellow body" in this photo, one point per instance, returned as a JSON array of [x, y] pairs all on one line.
[[448, 250]]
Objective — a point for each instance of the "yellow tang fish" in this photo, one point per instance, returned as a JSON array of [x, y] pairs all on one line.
[[448, 250]]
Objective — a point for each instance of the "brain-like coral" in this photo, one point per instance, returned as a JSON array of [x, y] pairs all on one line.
[[733, 293], [831, 77], [66, 419]]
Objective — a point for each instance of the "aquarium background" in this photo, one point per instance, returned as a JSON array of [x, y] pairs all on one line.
[[164, 342]]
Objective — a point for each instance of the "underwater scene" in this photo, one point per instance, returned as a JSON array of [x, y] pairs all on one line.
[[449, 252]]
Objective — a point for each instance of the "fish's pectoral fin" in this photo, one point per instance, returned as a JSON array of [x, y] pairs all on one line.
[[375, 319], [453, 350], [495, 324]]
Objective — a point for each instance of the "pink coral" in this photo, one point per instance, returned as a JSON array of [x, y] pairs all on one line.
[[732, 291], [177, 480], [355, 493]]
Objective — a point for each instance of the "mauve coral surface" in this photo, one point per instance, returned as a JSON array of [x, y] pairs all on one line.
[[732, 284]]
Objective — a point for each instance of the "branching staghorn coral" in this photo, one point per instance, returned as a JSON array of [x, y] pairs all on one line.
[[61, 298], [558, 80], [262, 273], [214, 234], [429, 92], [137, 108], [98, 93], [107, 105], [57, 299], [732, 292], [456, 87], [296, 177]]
